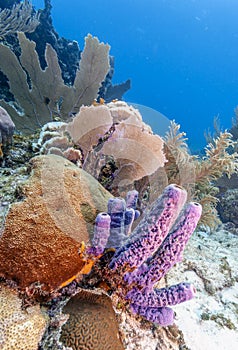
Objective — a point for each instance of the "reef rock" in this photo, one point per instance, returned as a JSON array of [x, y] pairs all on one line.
[[41, 242], [228, 206]]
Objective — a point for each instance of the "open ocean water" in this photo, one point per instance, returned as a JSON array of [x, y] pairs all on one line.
[[181, 55]]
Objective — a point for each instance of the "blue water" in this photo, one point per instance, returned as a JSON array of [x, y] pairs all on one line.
[[181, 55]]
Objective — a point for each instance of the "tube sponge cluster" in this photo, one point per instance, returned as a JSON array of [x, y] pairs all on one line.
[[143, 257], [113, 228]]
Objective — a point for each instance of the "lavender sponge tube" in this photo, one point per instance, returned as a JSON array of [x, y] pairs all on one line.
[[153, 228]]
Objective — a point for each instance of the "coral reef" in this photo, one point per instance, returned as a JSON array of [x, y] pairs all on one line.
[[19, 329], [201, 323], [137, 334], [43, 233], [67, 51], [89, 309], [115, 140]]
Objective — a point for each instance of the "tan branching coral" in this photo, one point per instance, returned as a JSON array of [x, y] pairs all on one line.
[[180, 165], [19, 329], [40, 95], [19, 18], [199, 175], [217, 161]]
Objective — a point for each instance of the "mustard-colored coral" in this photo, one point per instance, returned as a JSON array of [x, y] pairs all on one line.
[[19, 329]]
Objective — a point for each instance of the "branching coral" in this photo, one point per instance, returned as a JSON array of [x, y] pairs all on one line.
[[40, 95], [179, 167], [19, 18], [217, 161], [199, 175]]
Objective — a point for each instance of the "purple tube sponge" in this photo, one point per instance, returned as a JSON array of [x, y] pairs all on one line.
[[145, 256], [155, 298], [131, 202], [113, 228], [164, 316], [170, 251], [153, 228], [129, 219], [153, 305], [122, 215], [101, 234], [117, 210]]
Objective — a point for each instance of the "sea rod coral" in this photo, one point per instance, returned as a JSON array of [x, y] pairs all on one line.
[[154, 246]]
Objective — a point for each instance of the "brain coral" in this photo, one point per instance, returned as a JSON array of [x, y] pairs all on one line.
[[19, 329], [43, 233], [91, 324]]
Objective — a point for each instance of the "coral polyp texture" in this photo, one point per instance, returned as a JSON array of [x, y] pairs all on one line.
[[19, 329], [41, 242], [143, 257]]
